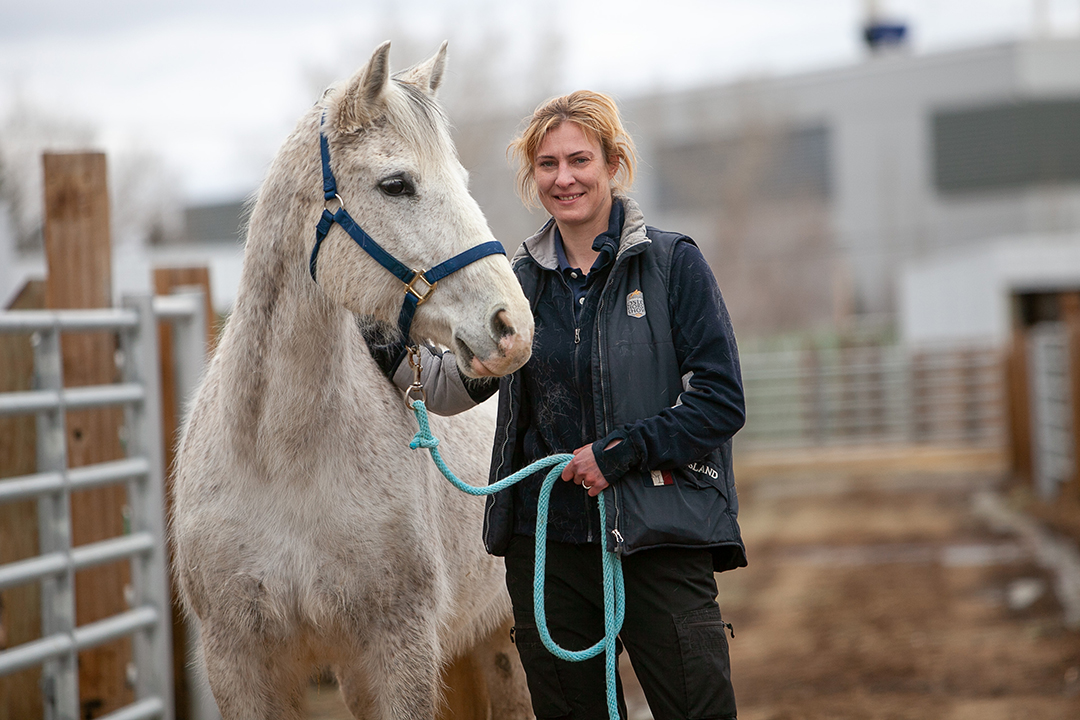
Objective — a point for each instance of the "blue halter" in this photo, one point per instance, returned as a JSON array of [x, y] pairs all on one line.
[[419, 284]]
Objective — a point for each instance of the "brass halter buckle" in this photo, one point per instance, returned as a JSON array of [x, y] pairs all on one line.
[[411, 289], [416, 390]]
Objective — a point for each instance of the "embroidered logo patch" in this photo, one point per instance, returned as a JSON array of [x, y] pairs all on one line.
[[635, 304], [661, 478]]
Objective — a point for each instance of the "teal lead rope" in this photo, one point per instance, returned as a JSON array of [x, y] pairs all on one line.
[[614, 593]]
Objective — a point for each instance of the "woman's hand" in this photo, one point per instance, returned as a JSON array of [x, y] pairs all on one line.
[[584, 471]]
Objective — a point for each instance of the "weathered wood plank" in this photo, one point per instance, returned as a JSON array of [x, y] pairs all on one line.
[[167, 280], [79, 260], [20, 607]]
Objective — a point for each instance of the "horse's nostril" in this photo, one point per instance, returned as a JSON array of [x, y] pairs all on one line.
[[500, 328], [464, 351]]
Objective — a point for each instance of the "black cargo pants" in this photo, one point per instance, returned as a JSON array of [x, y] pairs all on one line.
[[673, 632]]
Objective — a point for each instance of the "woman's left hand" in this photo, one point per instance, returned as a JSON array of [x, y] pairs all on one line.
[[584, 471]]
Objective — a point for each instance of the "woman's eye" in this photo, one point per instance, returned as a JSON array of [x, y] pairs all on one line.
[[397, 186]]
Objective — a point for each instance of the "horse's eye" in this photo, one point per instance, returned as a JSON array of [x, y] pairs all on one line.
[[397, 186]]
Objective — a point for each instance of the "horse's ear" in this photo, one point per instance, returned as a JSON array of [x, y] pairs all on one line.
[[362, 100], [428, 74]]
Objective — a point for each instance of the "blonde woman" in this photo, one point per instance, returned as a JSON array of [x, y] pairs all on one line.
[[634, 370]]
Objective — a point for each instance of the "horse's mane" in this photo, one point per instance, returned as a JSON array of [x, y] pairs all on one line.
[[419, 119]]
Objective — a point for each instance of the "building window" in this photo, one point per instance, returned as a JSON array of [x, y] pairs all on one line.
[[764, 163], [1016, 145]]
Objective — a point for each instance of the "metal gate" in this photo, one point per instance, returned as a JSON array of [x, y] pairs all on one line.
[[879, 394], [148, 621], [1051, 412]]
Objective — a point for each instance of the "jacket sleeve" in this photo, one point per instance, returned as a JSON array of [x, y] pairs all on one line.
[[447, 391], [710, 409]]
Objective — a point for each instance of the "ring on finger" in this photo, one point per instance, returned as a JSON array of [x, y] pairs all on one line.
[[586, 485]]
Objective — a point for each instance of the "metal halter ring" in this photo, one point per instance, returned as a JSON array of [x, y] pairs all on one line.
[[340, 202], [418, 276], [415, 392]]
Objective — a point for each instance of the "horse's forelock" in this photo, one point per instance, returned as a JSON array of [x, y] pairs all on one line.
[[417, 116]]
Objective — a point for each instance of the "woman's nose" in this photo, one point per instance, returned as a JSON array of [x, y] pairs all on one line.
[[564, 177]]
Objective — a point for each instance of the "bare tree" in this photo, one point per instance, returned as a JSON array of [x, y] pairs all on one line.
[[25, 133], [146, 206]]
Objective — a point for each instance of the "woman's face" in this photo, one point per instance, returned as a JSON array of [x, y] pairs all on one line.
[[573, 178]]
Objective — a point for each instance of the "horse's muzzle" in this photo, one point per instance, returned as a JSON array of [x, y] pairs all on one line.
[[510, 348]]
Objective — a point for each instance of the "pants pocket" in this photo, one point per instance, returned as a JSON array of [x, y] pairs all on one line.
[[548, 698], [706, 665]]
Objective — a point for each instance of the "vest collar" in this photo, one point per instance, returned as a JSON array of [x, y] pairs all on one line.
[[541, 246]]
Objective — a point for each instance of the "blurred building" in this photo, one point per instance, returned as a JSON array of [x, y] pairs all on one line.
[[873, 193], [811, 193]]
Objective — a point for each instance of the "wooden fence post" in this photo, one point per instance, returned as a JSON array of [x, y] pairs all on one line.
[[166, 280], [79, 260], [1070, 314], [20, 607], [1019, 400]]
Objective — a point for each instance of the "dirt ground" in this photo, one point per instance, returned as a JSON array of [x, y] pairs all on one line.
[[874, 591]]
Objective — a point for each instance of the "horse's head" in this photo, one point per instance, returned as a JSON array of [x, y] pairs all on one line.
[[399, 177]]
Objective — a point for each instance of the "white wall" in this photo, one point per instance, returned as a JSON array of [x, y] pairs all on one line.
[[133, 266], [963, 295], [885, 208]]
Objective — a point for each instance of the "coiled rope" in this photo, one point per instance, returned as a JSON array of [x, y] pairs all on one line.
[[614, 593]]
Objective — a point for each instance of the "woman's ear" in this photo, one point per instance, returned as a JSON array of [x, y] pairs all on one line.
[[613, 166]]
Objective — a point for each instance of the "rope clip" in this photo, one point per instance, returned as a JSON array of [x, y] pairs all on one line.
[[416, 390]]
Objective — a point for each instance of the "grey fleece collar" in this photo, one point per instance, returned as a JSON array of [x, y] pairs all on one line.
[[541, 246]]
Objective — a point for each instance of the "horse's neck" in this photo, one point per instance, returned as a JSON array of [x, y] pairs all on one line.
[[289, 352]]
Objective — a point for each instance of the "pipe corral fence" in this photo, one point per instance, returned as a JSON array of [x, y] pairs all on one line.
[[147, 621], [877, 394]]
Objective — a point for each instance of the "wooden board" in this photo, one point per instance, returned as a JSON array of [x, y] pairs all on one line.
[[20, 607], [79, 260], [1019, 402], [166, 281]]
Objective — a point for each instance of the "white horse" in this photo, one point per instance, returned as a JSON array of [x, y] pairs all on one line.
[[306, 533]]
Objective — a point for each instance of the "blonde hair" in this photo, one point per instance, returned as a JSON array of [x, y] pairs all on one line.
[[596, 114]]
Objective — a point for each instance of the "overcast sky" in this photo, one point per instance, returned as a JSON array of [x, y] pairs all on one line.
[[214, 86]]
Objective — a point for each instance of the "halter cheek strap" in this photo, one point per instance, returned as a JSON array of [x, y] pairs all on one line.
[[419, 284]]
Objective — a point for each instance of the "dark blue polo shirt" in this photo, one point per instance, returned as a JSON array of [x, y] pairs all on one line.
[[607, 244]]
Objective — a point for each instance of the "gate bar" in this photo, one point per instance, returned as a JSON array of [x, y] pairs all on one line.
[[28, 321], [22, 487], [76, 398], [80, 558]]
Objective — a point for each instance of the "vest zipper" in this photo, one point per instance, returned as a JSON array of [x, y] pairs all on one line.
[[619, 256], [502, 455], [577, 341], [603, 404]]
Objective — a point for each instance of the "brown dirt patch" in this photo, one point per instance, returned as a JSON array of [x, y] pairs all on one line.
[[860, 604]]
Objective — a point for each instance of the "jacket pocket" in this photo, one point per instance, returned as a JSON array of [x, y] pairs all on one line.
[[706, 664], [674, 508], [702, 475], [548, 698]]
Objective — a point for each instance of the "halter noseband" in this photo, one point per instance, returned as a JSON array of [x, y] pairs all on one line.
[[419, 284]]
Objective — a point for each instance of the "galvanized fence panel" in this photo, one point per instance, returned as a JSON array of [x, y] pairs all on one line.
[[148, 619], [878, 394], [1053, 456]]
